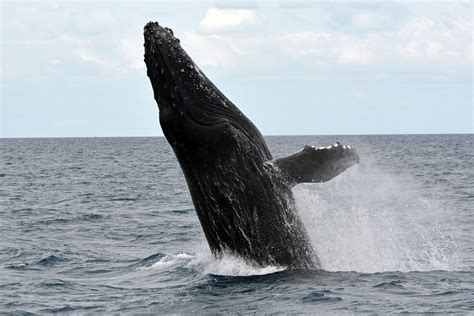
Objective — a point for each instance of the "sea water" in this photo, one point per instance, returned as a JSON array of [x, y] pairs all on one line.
[[94, 225]]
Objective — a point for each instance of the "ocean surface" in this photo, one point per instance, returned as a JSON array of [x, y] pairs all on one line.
[[106, 225]]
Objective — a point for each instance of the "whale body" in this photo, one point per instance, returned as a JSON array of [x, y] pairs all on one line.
[[242, 196]]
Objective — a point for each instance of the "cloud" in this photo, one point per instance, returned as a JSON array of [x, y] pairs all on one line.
[[422, 38], [86, 56], [132, 51], [218, 20], [419, 40], [355, 56], [92, 21], [296, 4], [108, 42], [366, 20], [300, 44], [201, 46], [239, 4], [55, 61]]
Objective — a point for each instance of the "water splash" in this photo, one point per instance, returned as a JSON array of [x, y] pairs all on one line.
[[203, 261], [234, 266], [169, 261], [369, 221]]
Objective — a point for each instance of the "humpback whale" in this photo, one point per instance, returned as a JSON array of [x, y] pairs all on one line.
[[242, 195]]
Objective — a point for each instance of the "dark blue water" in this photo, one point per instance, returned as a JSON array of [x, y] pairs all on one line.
[[107, 225]]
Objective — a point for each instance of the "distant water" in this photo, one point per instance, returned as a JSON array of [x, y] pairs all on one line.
[[93, 225]]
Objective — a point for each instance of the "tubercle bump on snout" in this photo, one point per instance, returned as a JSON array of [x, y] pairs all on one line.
[[153, 30], [163, 58], [151, 24]]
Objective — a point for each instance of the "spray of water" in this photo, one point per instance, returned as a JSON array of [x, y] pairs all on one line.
[[364, 220], [228, 264], [369, 221], [236, 266]]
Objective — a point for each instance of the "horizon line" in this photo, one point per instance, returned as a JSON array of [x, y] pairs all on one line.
[[270, 135]]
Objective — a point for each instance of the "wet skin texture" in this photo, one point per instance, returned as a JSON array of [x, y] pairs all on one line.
[[242, 196]]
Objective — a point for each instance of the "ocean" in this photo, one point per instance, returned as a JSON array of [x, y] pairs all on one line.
[[107, 225]]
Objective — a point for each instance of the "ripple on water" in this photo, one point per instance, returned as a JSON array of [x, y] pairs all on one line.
[[390, 285], [148, 261], [88, 217], [321, 296], [50, 261], [136, 246]]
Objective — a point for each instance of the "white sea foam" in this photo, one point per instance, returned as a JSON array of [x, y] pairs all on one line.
[[368, 221], [235, 266], [203, 261], [170, 260], [184, 256]]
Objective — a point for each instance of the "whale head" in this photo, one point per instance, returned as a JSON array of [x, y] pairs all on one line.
[[168, 66], [193, 112]]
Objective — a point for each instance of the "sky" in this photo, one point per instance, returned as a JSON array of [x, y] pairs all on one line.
[[73, 69]]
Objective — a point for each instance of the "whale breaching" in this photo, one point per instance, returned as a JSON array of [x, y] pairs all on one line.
[[242, 195]]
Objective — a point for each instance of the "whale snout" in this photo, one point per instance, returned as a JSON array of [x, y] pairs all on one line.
[[164, 57], [161, 46], [156, 33]]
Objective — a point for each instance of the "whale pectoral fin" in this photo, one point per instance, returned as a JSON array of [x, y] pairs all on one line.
[[313, 164]]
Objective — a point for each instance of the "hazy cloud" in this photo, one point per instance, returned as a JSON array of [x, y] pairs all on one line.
[[236, 4], [92, 21], [200, 45], [419, 40], [89, 56], [423, 38], [218, 20], [132, 51]]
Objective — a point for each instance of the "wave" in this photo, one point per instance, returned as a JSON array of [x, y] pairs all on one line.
[[50, 261]]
